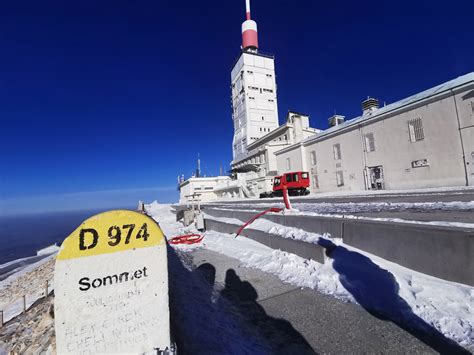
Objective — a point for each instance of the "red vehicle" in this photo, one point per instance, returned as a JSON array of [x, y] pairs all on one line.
[[296, 182]]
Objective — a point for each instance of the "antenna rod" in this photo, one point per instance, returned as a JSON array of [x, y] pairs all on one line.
[[199, 167], [247, 9]]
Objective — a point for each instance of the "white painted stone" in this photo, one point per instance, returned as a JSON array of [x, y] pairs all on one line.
[[114, 301]]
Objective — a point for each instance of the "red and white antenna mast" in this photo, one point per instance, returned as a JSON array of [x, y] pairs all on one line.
[[249, 31]]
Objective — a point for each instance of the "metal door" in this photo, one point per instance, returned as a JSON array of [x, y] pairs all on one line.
[[376, 179]]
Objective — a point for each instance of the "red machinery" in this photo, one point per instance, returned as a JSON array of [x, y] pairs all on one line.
[[296, 182]]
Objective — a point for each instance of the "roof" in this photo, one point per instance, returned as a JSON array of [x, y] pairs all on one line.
[[450, 85], [263, 139], [258, 54], [203, 179]]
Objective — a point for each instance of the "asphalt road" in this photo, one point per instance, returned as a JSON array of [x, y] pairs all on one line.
[[466, 216], [297, 320]]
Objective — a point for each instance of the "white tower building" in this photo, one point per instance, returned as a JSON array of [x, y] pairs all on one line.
[[254, 91]]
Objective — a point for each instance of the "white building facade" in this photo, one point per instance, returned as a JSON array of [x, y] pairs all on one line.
[[254, 171], [200, 189], [423, 141], [253, 84], [254, 100]]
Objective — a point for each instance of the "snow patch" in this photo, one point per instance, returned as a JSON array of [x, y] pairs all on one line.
[[447, 306]]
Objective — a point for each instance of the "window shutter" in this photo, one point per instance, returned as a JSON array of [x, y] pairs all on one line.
[[369, 142], [415, 129]]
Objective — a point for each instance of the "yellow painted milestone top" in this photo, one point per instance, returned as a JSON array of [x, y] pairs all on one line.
[[110, 232]]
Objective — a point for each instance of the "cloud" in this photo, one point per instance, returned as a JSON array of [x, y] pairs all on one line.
[[83, 200]]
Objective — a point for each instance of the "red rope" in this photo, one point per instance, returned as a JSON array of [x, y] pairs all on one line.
[[273, 209], [197, 238], [186, 239]]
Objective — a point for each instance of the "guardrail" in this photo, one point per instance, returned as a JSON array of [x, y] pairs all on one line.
[[22, 304], [440, 251]]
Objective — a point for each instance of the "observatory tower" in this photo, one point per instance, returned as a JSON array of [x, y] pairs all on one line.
[[254, 96]]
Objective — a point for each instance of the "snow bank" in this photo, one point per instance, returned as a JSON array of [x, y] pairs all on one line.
[[267, 226], [454, 190], [446, 306], [358, 207], [48, 250], [10, 271], [336, 211]]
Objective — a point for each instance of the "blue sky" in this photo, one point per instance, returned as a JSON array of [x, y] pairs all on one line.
[[103, 103]]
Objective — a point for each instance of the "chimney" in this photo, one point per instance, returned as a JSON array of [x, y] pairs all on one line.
[[336, 120], [369, 105]]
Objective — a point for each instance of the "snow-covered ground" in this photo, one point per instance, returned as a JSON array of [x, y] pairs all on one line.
[[345, 209], [386, 288], [358, 207], [455, 190]]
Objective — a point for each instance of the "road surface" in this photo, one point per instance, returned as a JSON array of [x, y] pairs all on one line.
[[286, 318]]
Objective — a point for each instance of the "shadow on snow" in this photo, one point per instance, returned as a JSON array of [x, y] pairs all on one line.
[[376, 290]]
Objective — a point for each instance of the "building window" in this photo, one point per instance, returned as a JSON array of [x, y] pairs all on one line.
[[269, 75], [315, 182], [339, 178], [288, 164], [267, 90], [415, 129], [337, 151], [286, 137], [369, 142], [313, 157]]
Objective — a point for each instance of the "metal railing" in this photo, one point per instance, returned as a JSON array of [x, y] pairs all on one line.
[[22, 304]]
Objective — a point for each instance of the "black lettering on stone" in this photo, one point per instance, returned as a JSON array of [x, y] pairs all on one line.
[[95, 285], [85, 285], [124, 274], [82, 241], [111, 279]]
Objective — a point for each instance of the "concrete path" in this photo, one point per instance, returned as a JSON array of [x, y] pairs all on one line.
[[320, 323]]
